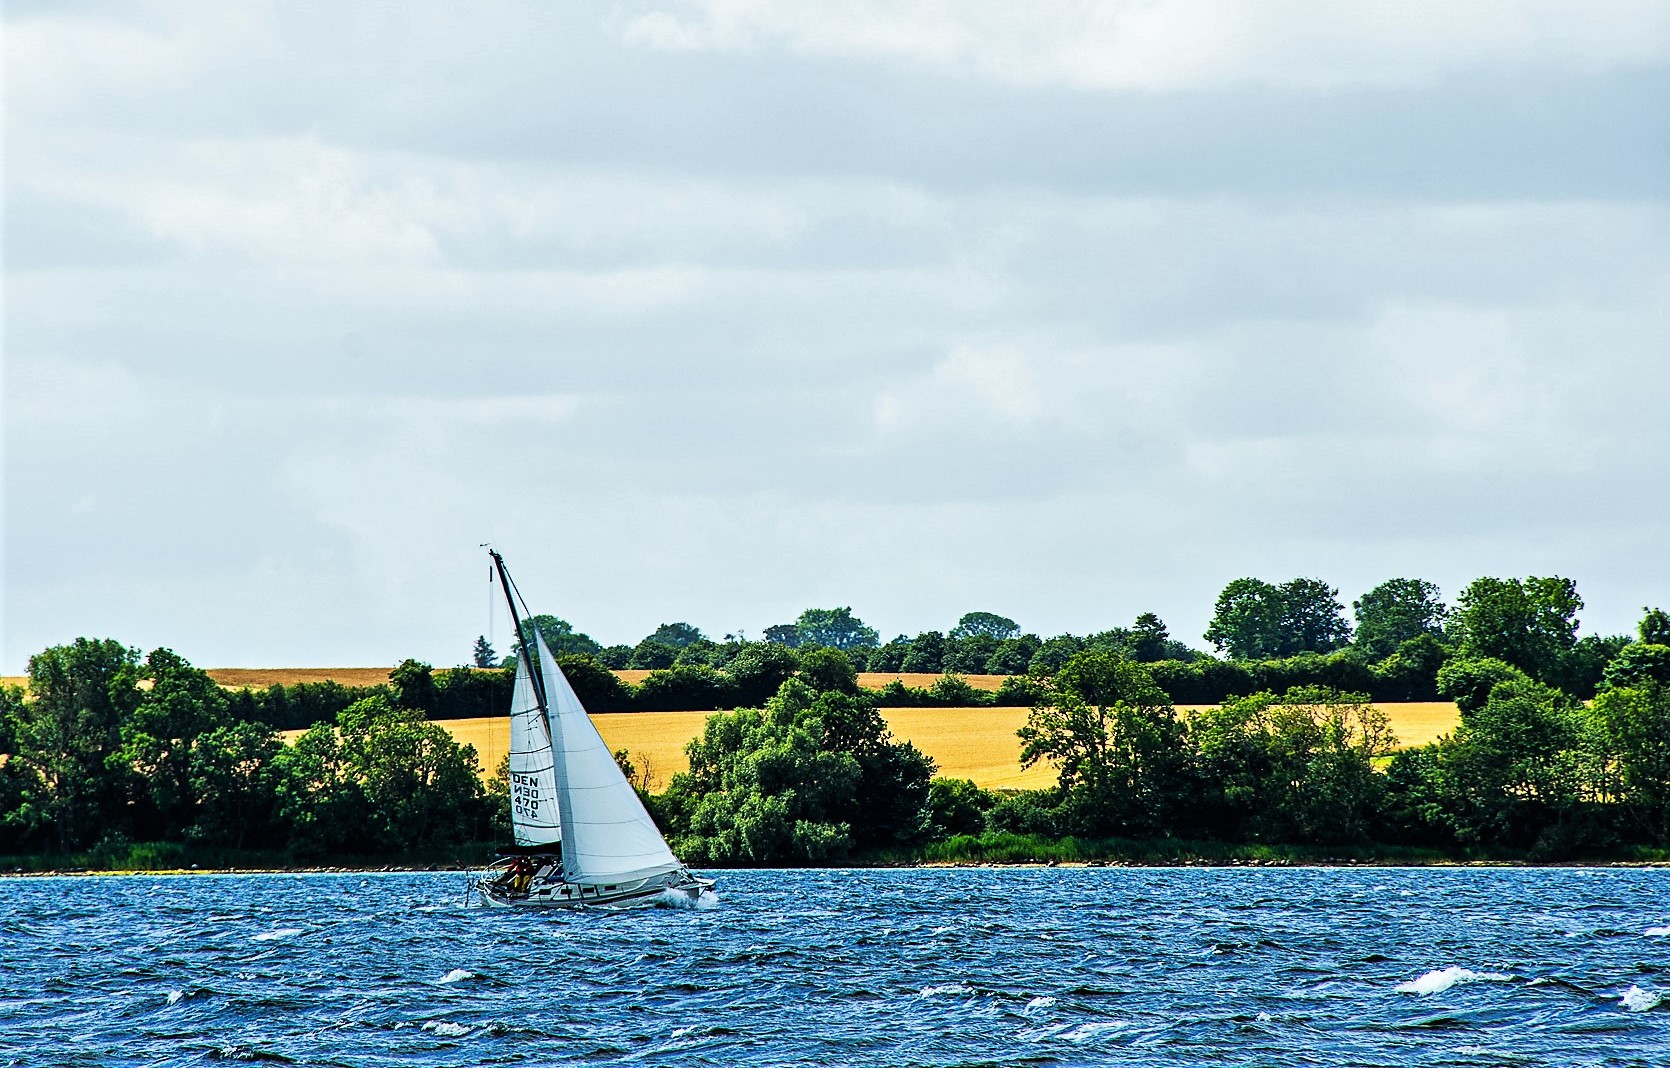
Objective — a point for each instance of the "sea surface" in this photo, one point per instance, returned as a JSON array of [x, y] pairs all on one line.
[[967, 966]]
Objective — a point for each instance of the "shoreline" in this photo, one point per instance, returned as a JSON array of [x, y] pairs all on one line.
[[424, 869]]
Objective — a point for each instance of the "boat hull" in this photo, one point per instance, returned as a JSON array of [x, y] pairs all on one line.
[[675, 888]]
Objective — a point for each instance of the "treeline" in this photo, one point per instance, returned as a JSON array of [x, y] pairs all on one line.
[[106, 748], [1531, 771]]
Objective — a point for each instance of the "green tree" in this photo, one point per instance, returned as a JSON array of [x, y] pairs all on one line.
[[783, 634], [1013, 656], [968, 655], [1636, 664], [889, 657], [382, 780], [650, 655], [1053, 654], [677, 635], [1655, 627], [1149, 639], [1396, 611], [234, 777], [421, 786], [990, 624], [805, 778], [159, 736], [1518, 768], [927, 653], [483, 655], [1115, 741], [1529, 623], [559, 635], [759, 670], [1295, 768], [957, 806], [1411, 673], [1256, 620], [414, 687], [67, 732], [1468, 681], [598, 688], [837, 628], [1246, 622], [826, 669], [1635, 721]]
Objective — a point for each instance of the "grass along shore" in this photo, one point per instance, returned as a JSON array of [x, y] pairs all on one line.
[[993, 849]]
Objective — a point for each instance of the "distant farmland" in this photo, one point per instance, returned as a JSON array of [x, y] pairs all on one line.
[[966, 743], [261, 678]]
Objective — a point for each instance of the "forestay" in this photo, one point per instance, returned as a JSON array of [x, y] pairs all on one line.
[[533, 779], [607, 835]]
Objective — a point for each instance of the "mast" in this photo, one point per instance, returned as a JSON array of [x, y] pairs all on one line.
[[535, 671]]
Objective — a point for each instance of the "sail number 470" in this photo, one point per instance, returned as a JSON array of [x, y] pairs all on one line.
[[524, 796]]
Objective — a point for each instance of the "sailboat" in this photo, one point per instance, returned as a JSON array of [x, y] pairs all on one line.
[[582, 836]]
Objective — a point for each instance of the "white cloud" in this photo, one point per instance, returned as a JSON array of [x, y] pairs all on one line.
[[1165, 45]]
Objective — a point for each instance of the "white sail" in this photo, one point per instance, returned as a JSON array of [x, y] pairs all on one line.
[[533, 778], [607, 835]]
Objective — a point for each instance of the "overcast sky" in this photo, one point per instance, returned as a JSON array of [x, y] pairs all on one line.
[[714, 311]]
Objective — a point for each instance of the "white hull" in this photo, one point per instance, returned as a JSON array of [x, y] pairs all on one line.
[[548, 890]]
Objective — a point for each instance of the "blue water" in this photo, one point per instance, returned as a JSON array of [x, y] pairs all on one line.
[[912, 967]]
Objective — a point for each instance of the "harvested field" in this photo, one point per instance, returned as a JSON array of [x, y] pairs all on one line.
[[924, 680], [965, 743], [261, 678]]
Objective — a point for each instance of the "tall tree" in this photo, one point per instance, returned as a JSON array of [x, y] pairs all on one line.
[[783, 634], [1655, 627], [989, 623], [1246, 622], [1115, 741], [1396, 611], [483, 655], [1257, 620], [158, 738], [837, 628], [809, 776], [1312, 617], [1518, 767], [234, 777], [1636, 723], [677, 635], [67, 732], [1529, 623], [1149, 641], [559, 634]]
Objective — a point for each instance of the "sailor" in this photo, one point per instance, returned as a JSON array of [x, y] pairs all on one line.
[[521, 874]]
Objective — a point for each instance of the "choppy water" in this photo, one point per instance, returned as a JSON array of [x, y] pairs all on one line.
[[915, 967]]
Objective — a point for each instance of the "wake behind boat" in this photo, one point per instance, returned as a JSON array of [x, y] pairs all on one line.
[[582, 835]]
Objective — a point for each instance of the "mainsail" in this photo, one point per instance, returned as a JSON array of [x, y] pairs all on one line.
[[533, 777], [606, 834]]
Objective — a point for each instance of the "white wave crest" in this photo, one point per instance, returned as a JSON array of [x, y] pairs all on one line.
[[1090, 1030], [174, 996], [946, 989], [457, 975], [282, 932], [1656, 932], [446, 1028], [1436, 982], [1042, 1002], [1637, 1000], [678, 899]]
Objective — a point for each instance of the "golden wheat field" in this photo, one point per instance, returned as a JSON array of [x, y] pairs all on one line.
[[965, 743], [261, 678]]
